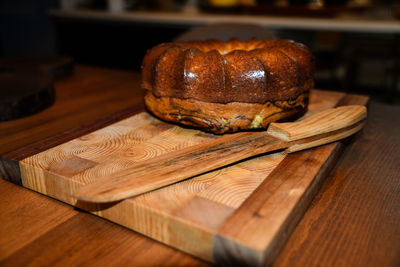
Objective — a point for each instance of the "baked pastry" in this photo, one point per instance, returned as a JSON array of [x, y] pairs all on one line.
[[225, 87]]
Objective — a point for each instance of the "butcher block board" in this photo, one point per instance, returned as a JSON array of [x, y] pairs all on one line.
[[242, 213]]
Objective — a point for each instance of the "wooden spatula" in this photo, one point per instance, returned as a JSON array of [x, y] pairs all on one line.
[[318, 129]]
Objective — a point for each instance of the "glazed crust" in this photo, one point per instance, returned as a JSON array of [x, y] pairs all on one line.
[[223, 118], [226, 87], [212, 71]]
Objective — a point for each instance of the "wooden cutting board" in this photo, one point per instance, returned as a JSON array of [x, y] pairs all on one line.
[[241, 213]]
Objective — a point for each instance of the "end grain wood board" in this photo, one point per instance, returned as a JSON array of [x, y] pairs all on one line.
[[242, 213]]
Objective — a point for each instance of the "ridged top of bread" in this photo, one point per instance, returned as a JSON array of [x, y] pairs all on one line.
[[255, 71]]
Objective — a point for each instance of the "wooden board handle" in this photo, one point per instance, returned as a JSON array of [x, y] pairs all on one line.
[[334, 136], [325, 121]]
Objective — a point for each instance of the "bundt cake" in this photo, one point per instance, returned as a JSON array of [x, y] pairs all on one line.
[[227, 86]]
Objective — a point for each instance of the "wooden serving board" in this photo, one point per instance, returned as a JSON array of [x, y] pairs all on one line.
[[241, 213]]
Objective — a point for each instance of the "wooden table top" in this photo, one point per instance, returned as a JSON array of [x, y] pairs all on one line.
[[354, 219]]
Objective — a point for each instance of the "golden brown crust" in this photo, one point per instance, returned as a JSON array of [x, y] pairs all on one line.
[[225, 87], [255, 71], [222, 118]]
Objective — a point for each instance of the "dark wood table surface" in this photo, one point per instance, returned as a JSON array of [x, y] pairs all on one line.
[[354, 220]]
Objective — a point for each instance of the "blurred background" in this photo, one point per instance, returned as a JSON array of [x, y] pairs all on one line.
[[356, 42]]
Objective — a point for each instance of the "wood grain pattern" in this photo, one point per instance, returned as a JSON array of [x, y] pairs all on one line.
[[78, 103], [61, 126], [29, 232], [240, 240], [10, 160], [172, 214], [277, 204], [100, 242], [326, 139], [322, 122], [156, 213], [177, 215], [318, 129], [14, 233], [352, 221], [354, 218], [178, 165]]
